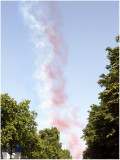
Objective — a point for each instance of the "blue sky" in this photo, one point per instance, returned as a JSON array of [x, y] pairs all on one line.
[[88, 28]]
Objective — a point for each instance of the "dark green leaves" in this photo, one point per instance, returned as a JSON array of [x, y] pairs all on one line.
[[102, 131]]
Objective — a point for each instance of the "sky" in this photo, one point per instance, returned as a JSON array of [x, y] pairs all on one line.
[[53, 55]]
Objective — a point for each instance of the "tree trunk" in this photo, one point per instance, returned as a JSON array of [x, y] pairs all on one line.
[[11, 151], [1, 154]]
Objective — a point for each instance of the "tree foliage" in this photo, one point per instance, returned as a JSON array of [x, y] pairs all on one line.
[[18, 126], [52, 148], [102, 131]]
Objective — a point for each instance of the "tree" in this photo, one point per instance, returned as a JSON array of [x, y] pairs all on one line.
[[65, 154], [51, 147], [18, 125], [9, 133], [102, 131]]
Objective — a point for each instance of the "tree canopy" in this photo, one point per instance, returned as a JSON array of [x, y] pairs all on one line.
[[51, 146], [18, 126], [102, 131]]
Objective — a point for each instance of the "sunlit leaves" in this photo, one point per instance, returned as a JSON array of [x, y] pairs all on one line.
[[19, 127]]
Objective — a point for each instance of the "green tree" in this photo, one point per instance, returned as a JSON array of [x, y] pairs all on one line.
[[18, 125], [27, 126], [65, 154], [102, 131], [9, 133], [51, 146]]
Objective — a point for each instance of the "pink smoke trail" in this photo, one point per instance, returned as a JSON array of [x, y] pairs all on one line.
[[47, 38], [74, 143], [65, 124], [61, 124], [54, 70]]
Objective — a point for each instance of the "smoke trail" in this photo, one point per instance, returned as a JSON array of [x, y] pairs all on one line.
[[54, 68], [66, 123], [44, 23], [74, 143]]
